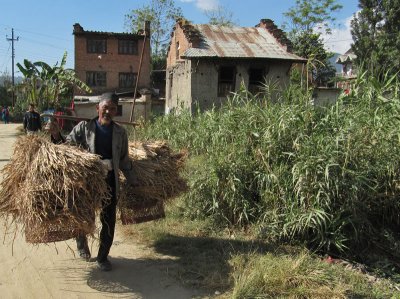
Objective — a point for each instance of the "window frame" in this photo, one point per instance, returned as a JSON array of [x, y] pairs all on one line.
[[255, 86], [128, 49], [226, 85], [93, 45], [134, 78], [93, 80]]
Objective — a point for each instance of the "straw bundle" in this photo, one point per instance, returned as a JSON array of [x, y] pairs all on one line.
[[157, 170], [52, 190]]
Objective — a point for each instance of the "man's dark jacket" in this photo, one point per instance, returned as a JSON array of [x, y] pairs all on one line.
[[32, 121]]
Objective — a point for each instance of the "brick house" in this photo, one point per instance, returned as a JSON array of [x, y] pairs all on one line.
[[205, 63], [108, 61]]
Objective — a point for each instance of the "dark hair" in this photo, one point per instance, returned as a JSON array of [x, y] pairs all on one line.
[[109, 96], [31, 104]]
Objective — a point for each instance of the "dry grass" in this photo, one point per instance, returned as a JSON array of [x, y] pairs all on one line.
[[158, 170], [52, 191]]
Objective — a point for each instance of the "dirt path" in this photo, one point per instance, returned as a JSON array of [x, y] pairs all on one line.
[[52, 271]]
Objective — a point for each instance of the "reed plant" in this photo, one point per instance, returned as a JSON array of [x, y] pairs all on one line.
[[328, 176]]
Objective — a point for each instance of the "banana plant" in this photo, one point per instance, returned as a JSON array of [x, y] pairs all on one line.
[[44, 84], [31, 80]]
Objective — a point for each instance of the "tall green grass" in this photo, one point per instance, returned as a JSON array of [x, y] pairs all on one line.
[[327, 176]]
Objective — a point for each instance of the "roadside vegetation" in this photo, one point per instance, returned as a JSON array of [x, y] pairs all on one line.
[[287, 173]]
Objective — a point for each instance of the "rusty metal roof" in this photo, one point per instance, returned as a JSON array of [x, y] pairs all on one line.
[[238, 42]]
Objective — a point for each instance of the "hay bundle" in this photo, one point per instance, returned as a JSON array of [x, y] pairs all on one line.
[[157, 169], [52, 190]]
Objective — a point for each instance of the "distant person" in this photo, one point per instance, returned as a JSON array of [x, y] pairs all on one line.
[[5, 115], [32, 123]]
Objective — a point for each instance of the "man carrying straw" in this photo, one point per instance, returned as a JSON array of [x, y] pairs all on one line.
[[106, 138]]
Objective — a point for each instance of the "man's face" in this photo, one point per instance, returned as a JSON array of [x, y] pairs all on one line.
[[106, 111], [31, 108]]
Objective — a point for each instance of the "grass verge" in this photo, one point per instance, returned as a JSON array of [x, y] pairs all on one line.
[[235, 264]]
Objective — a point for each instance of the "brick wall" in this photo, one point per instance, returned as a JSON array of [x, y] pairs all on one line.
[[177, 37], [111, 62]]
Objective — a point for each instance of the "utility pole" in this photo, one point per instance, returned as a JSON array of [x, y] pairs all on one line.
[[12, 39]]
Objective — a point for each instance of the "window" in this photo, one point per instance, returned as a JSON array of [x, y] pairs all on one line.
[[177, 51], [97, 46], [127, 79], [129, 47], [256, 79], [226, 80], [95, 79]]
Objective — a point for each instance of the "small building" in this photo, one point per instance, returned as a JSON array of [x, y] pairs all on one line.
[[349, 72], [325, 96], [109, 62], [146, 106], [206, 63]]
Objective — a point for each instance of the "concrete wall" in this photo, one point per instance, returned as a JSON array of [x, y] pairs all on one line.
[[142, 109], [111, 62], [323, 97], [196, 82], [178, 87]]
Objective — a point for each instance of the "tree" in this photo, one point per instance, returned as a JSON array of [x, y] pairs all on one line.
[[5, 90], [43, 85], [376, 36], [220, 16], [162, 15], [307, 15], [306, 20], [310, 46]]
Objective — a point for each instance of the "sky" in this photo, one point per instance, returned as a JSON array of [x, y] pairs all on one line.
[[44, 27]]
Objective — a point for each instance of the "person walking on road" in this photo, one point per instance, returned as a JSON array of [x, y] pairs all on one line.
[[104, 137], [32, 123], [5, 114]]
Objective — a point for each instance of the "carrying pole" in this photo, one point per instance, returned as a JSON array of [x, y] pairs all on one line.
[[146, 30], [76, 118]]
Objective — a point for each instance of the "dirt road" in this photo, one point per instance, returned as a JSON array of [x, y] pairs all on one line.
[[52, 271]]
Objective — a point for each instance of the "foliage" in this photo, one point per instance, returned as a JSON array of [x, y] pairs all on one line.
[[306, 20], [310, 46], [43, 85], [300, 276], [221, 16], [326, 176], [5, 90], [306, 15], [376, 35], [238, 265], [162, 15]]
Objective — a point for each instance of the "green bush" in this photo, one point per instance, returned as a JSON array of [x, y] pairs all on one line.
[[327, 176]]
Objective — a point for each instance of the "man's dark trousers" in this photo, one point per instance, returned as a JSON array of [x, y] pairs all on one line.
[[108, 219]]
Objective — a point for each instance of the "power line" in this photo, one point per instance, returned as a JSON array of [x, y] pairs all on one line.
[[42, 43], [5, 63], [37, 33], [46, 35], [8, 60]]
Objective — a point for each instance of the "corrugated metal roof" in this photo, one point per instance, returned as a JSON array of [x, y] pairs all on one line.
[[238, 42], [346, 58]]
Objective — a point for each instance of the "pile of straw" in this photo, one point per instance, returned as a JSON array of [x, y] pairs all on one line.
[[52, 191], [158, 173]]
